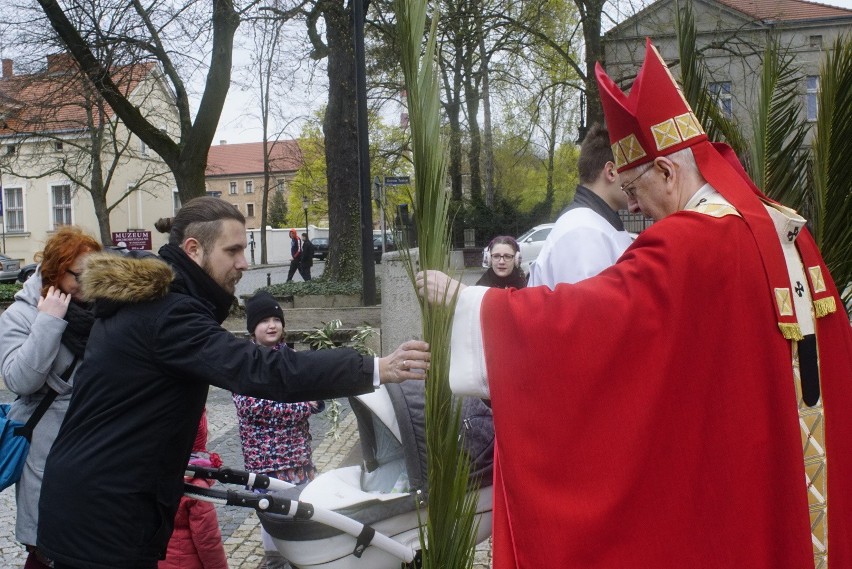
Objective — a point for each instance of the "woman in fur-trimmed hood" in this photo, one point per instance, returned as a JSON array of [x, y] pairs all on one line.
[[114, 478]]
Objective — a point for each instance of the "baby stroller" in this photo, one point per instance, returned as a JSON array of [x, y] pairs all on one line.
[[365, 516]]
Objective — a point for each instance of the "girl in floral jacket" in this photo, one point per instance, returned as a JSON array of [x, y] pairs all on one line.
[[275, 437]]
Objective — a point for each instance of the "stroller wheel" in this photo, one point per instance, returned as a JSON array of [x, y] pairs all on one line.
[[416, 563]]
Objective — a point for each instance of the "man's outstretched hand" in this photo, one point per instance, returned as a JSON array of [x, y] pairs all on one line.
[[409, 361]]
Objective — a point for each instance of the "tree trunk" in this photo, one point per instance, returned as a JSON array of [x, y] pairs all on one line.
[[591, 19], [341, 148], [474, 152], [487, 138]]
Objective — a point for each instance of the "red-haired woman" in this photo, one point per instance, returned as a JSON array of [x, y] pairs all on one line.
[[43, 336]]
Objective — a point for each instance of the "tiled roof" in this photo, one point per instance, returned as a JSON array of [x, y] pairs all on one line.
[[247, 158], [55, 101], [787, 10]]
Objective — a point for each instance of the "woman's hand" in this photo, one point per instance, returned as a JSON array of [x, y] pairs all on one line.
[[409, 361], [437, 287], [55, 302]]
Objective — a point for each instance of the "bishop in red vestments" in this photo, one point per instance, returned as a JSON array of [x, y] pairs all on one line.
[[689, 407]]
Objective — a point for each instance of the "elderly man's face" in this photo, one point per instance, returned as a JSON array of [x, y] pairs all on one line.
[[650, 189]]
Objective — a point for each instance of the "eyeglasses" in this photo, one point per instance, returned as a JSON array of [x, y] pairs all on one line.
[[628, 188], [77, 276], [503, 257]]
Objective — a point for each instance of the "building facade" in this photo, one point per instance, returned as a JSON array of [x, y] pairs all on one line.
[[235, 173], [56, 135], [732, 35]]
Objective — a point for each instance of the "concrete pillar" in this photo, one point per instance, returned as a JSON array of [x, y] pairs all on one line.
[[401, 319]]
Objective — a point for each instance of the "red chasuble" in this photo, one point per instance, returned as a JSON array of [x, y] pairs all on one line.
[[647, 418]]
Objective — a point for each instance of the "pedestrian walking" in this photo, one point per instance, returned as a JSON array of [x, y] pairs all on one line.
[[307, 258]]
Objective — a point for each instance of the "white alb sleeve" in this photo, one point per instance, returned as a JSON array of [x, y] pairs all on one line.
[[468, 375]]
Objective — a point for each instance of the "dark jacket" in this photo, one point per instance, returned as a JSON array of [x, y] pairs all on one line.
[[114, 477], [307, 258]]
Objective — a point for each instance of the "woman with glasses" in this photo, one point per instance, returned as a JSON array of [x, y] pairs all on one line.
[[503, 258], [43, 335]]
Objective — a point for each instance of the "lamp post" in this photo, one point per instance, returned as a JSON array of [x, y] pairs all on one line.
[[305, 207]]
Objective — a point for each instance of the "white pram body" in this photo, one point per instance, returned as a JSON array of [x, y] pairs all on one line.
[[367, 516]]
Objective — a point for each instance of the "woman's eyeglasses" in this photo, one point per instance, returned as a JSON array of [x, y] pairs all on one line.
[[503, 257]]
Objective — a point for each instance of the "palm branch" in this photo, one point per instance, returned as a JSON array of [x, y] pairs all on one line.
[[779, 161], [831, 193], [448, 537], [694, 82]]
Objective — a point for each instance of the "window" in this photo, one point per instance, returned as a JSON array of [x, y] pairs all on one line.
[[249, 210], [11, 149], [58, 146], [232, 188], [815, 41], [13, 209], [279, 185], [175, 201], [61, 195], [722, 95], [143, 148], [249, 187], [811, 96]]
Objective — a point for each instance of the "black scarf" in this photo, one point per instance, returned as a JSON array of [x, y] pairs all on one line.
[[193, 280], [80, 318], [515, 279]]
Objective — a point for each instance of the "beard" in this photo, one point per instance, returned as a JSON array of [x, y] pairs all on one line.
[[228, 281]]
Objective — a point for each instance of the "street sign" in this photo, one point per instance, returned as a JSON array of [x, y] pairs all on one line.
[[132, 240], [397, 180]]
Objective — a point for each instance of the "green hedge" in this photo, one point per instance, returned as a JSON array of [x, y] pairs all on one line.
[[7, 291]]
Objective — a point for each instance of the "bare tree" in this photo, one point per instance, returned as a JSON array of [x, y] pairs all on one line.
[[67, 129], [168, 33]]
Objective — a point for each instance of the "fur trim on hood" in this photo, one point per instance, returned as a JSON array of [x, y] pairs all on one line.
[[125, 279]]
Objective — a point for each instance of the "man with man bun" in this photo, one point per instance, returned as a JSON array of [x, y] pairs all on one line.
[[114, 476]]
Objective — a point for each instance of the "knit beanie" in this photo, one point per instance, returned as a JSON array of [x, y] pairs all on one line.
[[259, 307]]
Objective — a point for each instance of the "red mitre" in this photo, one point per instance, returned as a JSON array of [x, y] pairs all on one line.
[[654, 120]]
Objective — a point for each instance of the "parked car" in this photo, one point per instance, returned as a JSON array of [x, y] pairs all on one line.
[[390, 245], [9, 269], [320, 248], [530, 243], [26, 272]]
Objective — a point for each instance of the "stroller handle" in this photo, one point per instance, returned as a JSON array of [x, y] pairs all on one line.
[[251, 480], [295, 509]]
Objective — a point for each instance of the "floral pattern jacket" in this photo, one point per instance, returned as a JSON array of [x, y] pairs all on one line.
[[276, 437]]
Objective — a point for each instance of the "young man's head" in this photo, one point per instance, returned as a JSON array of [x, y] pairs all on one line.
[[596, 168], [212, 233], [304, 236]]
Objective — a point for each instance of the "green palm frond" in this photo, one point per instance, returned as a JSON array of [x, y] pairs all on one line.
[[695, 86], [832, 166], [448, 536], [779, 163]]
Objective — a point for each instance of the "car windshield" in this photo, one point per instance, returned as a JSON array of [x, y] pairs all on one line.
[[525, 235]]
